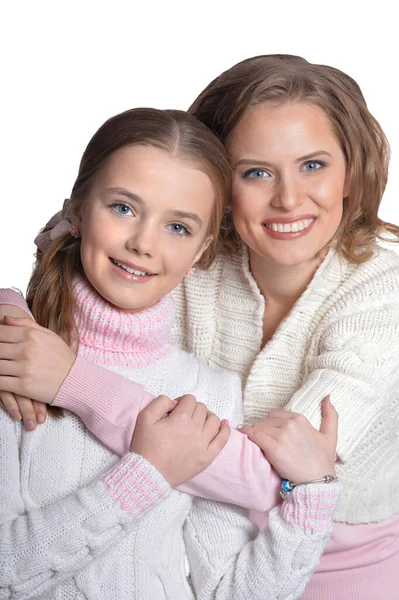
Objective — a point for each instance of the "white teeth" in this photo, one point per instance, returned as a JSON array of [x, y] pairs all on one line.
[[290, 227], [129, 269]]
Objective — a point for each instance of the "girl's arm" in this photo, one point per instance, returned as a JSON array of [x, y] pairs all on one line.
[[229, 558], [41, 547], [109, 405]]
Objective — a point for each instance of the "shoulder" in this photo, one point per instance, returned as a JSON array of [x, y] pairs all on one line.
[[373, 282]]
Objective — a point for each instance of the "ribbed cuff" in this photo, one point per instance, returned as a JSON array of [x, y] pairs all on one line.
[[136, 485], [310, 507], [107, 403], [9, 296]]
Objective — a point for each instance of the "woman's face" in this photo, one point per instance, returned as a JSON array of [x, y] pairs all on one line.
[[288, 182]]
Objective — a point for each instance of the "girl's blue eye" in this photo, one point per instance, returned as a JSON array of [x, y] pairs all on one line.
[[256, 173], [178, 229], [313, 165], [122, 209]]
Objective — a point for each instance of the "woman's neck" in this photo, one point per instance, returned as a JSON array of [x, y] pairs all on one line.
[[282, 284]]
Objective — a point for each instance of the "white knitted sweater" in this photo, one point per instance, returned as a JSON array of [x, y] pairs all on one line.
[[78, 523], [341, 337]]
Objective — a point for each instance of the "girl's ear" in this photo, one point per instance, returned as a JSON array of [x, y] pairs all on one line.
[[202, 249]]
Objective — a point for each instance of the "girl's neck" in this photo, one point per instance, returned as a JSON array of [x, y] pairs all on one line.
[[111, 336], [282, 284]]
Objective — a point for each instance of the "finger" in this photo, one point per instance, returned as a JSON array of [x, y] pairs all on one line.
[[211, 425], [158, 408], [279, 413], [267, 443], [9, 351], [9, 367], [220, 440], [200, 413], [27, 411], [329, 423], [40, 411], [187, 405], [10, 384], [11, 334], [10, 404], [22, 322]]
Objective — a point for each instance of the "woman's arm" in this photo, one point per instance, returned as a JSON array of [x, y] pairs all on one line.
[[230, 559], [109, 405]]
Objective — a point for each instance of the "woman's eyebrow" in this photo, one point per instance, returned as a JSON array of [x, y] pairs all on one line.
[[313, 155]]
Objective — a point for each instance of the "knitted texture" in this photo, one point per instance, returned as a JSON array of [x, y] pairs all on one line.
[[69, 531], [341, 337]]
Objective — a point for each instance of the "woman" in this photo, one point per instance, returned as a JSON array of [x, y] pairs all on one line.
[[304, 301]]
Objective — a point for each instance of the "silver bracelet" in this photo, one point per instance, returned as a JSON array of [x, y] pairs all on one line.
[[287, 486]]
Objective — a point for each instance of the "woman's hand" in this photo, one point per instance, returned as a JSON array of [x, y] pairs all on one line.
[[296, 449], [34, 361], [179, 437], [19, 407]]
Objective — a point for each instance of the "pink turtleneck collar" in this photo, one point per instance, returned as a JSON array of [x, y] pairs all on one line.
[[113, 337]]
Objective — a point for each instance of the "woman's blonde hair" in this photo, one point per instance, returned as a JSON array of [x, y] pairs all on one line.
[[50, 290], [284, 78]]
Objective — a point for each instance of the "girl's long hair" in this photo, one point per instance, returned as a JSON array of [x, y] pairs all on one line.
[[284, 78], [50, 289]]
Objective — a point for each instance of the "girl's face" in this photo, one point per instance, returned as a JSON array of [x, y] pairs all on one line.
[[143, 225], [288, 182]]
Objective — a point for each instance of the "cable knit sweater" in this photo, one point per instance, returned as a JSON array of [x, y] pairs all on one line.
[[76, 522], [341, 336]]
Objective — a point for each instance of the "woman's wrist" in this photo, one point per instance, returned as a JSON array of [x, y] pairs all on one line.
[[311, 507]]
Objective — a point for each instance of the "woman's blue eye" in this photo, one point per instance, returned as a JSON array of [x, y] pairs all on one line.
[[122, 209], [313, 165], [178, 229], [256, 173]]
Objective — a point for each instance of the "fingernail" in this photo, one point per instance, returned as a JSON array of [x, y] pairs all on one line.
[[40, 418], [226, 421], [30, 425], [240, 426], [331, 399], [16, 415], [175, 401]]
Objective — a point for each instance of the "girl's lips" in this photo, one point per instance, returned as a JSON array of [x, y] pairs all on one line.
[[126, 276], [288, 235]]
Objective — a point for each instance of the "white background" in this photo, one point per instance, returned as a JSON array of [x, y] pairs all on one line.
[[68, 66]]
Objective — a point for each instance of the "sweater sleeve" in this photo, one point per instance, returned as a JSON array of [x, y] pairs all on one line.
[[41, 547], [231, 560], [104, 401], [109, 404], [355, 357], [13, 298]]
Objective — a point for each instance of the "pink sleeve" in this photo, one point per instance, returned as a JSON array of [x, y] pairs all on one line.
[[240, 475], [109, 404], [9, 296]]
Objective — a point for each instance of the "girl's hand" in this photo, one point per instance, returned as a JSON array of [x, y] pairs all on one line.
[[296, 449], [34, 361], [18, 407], [179, 437]]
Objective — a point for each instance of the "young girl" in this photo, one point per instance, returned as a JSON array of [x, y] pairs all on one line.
[[77, 522]]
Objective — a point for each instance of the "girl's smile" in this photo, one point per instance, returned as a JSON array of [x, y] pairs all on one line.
[[143, 225]]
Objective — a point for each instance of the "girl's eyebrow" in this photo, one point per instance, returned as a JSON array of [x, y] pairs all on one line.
[[180, 214], [124, 192]]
